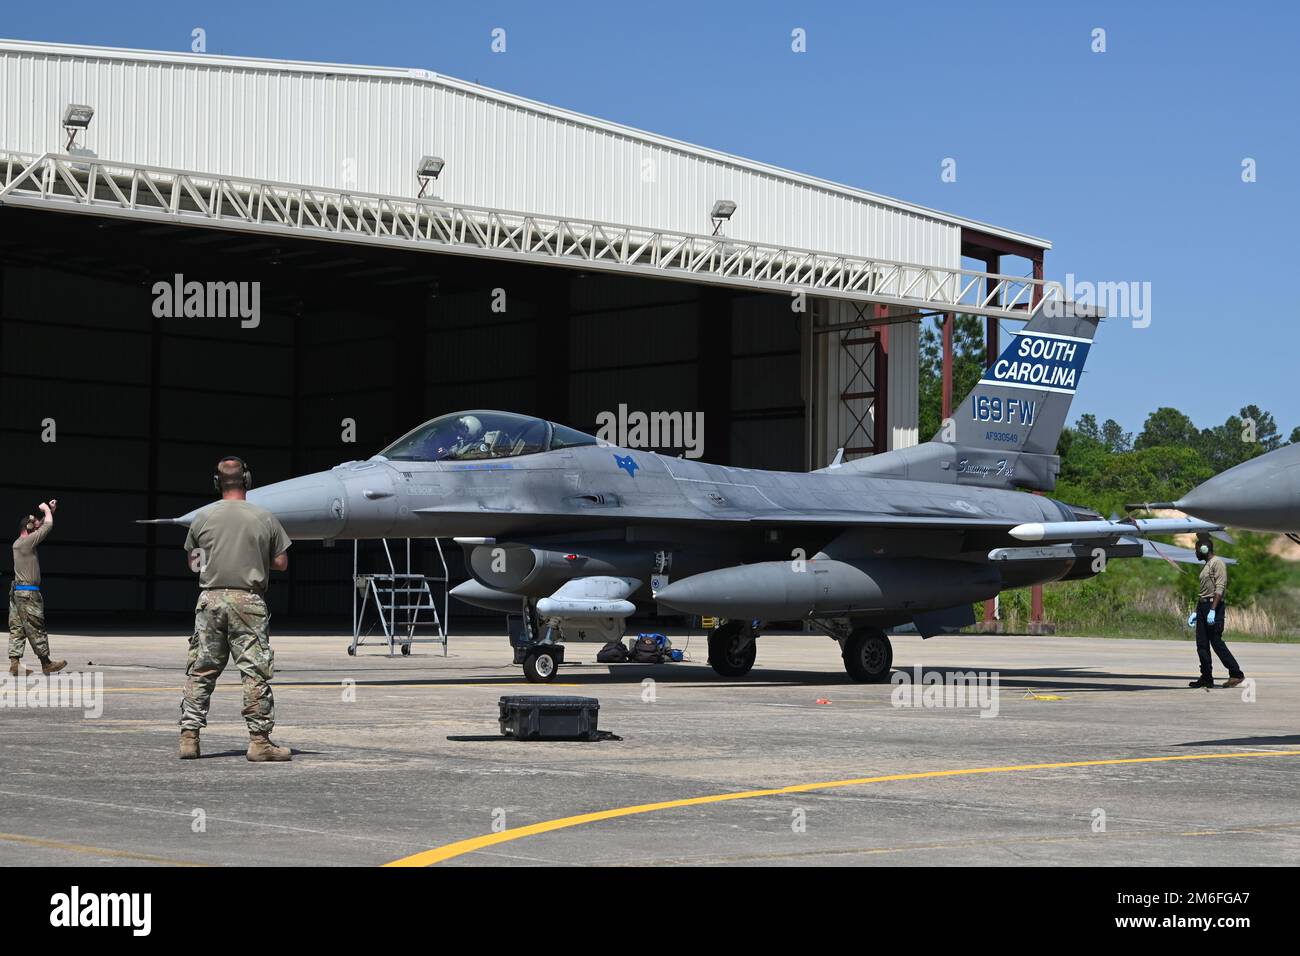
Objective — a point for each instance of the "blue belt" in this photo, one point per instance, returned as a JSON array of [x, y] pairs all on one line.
[[27, 587]]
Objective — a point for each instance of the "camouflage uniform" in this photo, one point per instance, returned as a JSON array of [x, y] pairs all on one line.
[[27, 623], [229, 622]]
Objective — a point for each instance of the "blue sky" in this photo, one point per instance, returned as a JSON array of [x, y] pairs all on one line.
[[1128, 160]]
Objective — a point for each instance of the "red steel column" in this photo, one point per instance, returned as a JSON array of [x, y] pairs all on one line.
[[880, 409]]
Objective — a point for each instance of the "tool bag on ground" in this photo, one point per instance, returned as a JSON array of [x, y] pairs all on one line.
[[615, 652], [648, 649]]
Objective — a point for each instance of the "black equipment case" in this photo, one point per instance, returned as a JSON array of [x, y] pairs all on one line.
[[550, 718]]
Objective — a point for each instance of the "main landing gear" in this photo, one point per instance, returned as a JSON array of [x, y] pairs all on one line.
[[732, 648], [868, 655]]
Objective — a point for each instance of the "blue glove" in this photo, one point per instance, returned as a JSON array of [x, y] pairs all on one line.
[[1209, 618], [1191, 619]]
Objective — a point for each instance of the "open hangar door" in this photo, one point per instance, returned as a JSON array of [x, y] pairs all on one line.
[[120, 413]]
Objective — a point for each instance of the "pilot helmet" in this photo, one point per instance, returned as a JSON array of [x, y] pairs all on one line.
[[469, 426]]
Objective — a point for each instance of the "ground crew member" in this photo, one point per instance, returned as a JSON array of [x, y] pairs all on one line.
[[233, 545], [26, 606], [1210, 613]]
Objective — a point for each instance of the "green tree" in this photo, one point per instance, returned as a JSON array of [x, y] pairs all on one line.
[[1114, 438], [1251, 433], [1168, 427], [1262, 427], [967, 366], [1100, 479], [1087, 428]]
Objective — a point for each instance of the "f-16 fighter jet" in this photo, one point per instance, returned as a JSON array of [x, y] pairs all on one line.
[[1262, 494], [573, 535]]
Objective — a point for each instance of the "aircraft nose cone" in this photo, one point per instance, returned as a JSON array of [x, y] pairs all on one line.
[[312, 506], [1262, 494]]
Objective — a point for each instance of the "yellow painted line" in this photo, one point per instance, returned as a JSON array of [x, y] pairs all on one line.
[[93, 850], [461, 847]]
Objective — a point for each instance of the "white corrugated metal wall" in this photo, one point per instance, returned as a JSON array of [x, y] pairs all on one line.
[[838, 372], [366, 129]]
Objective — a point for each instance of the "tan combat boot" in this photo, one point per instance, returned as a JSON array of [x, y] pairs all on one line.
[[189, 745], [262, 750], [15, 667], [49, 667]]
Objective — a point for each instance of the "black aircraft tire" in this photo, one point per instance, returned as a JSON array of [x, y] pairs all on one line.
[[868, 655], [540, 667], [726, 659]]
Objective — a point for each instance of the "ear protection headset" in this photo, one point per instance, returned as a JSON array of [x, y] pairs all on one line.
[[1203, 549], [243, 467]]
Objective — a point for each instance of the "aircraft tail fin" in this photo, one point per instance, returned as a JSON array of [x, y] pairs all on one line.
[[1004, 434], [1021, 402]]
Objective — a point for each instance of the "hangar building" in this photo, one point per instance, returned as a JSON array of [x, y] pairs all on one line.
[[556, 264]]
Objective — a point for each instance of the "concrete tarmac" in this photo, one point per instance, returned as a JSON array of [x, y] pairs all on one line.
[[375, 779]]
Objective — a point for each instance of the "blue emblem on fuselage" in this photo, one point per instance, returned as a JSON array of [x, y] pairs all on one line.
[[627, 463]]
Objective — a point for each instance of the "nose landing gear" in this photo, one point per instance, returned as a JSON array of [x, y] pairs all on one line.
[[536, 646], [542, 664]]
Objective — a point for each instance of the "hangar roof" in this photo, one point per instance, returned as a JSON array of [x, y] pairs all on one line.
[[518, 103]]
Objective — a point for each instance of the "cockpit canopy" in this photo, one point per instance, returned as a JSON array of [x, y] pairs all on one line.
[[477, 435]]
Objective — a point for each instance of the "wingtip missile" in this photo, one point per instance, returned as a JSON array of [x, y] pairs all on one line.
[[1075, 530]]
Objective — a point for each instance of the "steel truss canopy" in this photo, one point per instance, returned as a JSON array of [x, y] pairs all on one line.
[[64, 183]]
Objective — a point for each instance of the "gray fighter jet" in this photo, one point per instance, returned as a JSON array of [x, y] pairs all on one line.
[[571, 536], [1262, 494]]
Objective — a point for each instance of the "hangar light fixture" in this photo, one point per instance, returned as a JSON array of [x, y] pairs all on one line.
[[76, 117], [429, 169], [722, 210]]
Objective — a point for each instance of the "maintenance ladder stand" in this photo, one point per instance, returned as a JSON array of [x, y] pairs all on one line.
[[402, 602]]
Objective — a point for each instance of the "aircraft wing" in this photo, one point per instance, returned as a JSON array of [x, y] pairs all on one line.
[[733, 516]]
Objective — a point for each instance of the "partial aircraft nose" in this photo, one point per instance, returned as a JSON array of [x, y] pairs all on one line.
[[312, 506], [1262, 494]]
